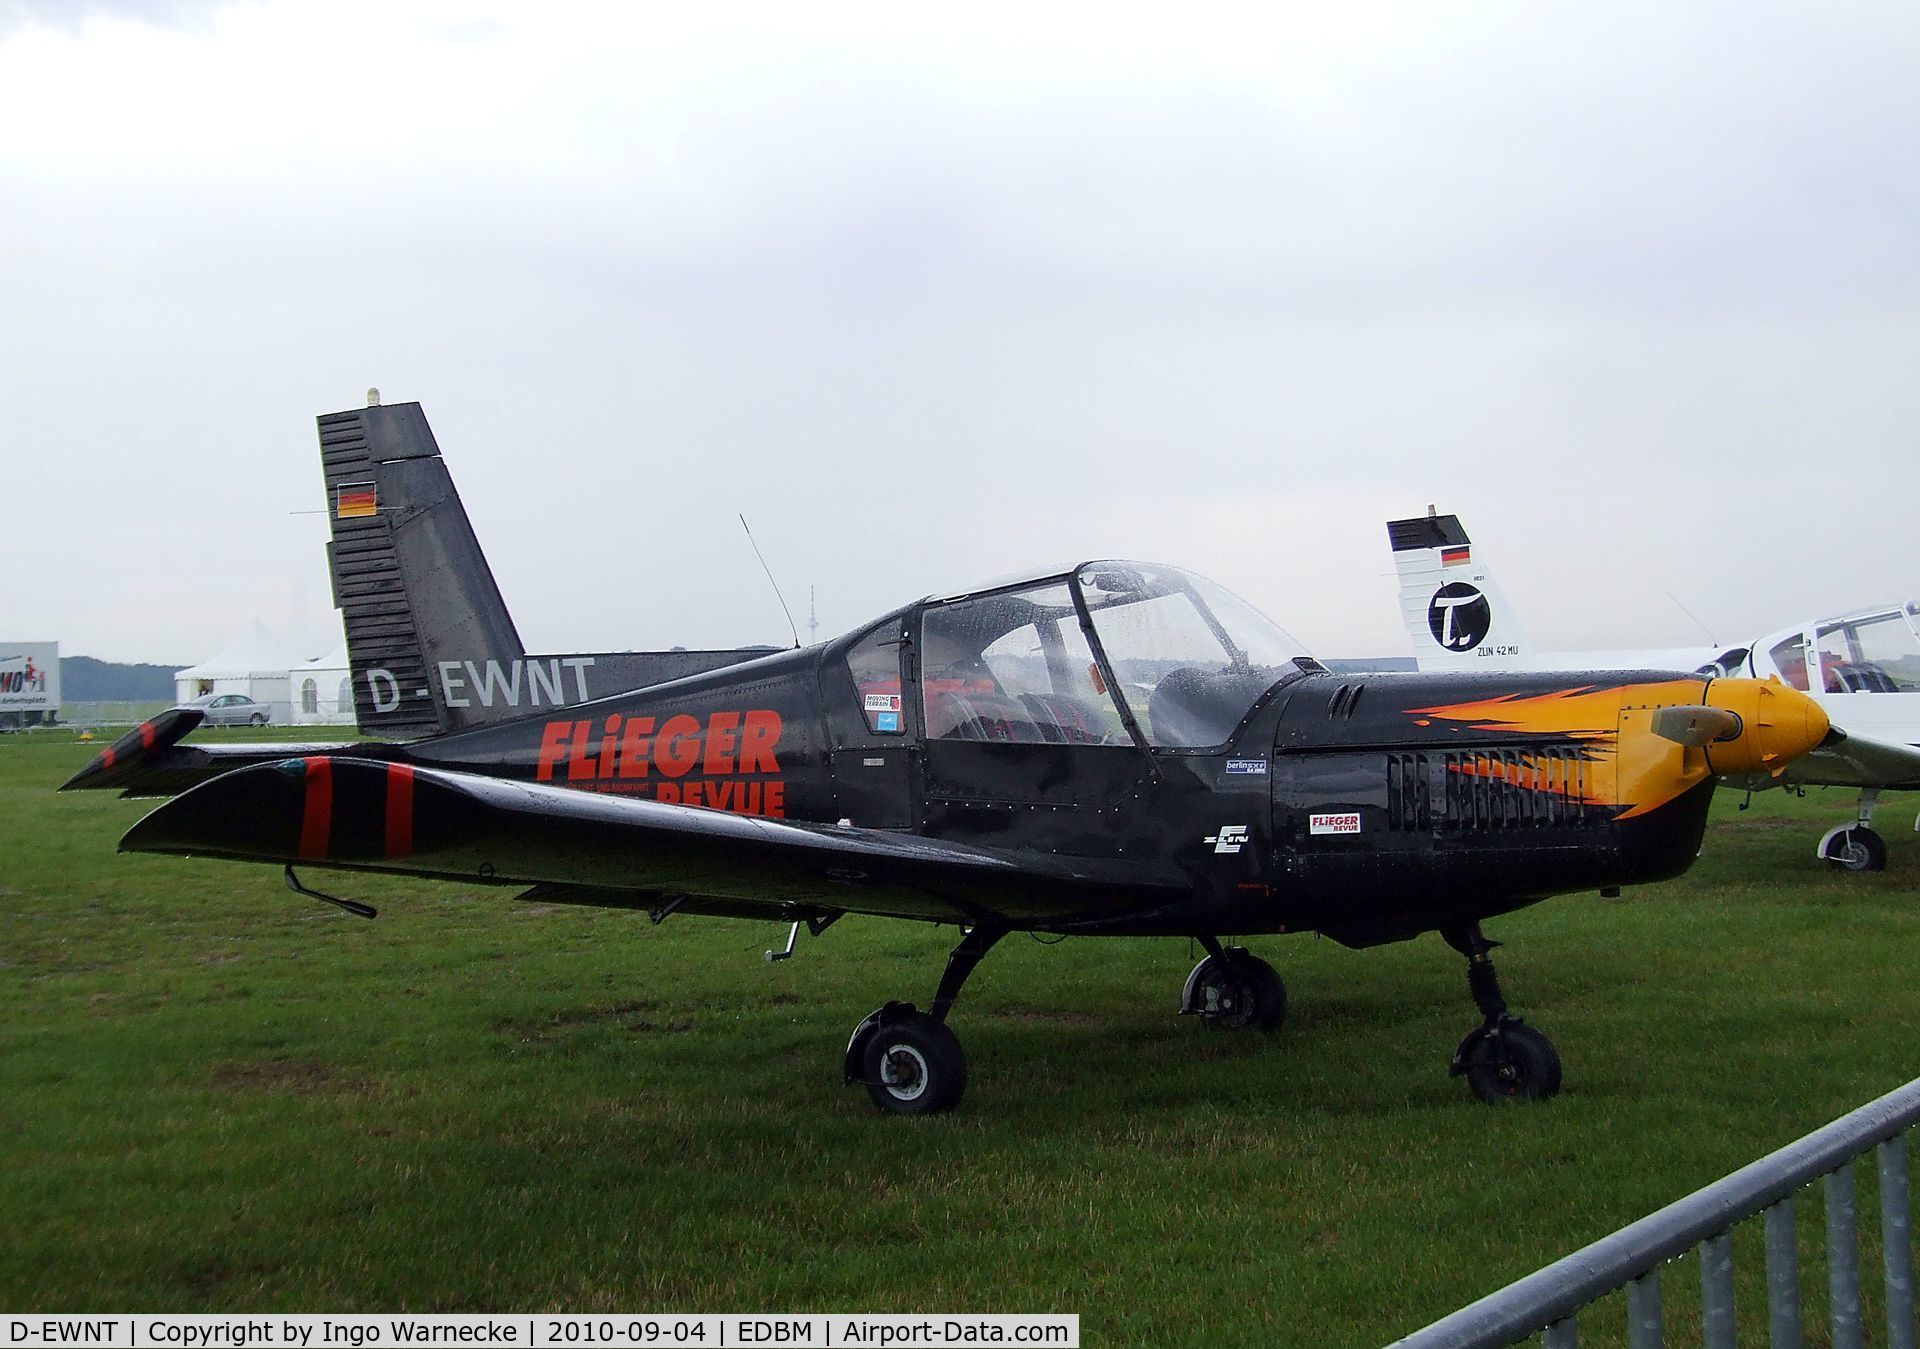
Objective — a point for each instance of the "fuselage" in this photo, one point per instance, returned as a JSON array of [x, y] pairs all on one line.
[[1367, 807], [1122, 749]]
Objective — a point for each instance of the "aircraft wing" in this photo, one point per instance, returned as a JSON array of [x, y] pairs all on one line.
[[336, 811], [1853, 759]]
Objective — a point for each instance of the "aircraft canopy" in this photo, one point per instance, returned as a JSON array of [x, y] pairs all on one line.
[[1871, 651], [1188, 658]]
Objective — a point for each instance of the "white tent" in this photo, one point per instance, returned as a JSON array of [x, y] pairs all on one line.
[[322, 690], [254, 663]]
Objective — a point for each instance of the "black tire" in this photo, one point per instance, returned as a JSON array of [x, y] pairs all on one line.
[[257, 719], [1243, 991], [1856, 849], [913, 1065], [1513, 1063]]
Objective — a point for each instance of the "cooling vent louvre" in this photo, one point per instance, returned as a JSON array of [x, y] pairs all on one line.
[[1409, 794], [1483, 791]]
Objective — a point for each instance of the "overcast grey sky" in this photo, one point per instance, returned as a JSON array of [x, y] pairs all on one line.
[[933, 296]]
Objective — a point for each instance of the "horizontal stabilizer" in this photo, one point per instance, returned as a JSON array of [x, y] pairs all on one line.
[[124, 760], [149, 760]]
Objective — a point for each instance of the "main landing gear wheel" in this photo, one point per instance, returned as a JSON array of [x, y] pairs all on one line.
[[1233, 989], [1503, 1059], [1854, 848], [913, 1065], [908, 1060], [1513, 1062]]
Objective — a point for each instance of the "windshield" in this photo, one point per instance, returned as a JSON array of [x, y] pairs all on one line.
[[1191, 658]]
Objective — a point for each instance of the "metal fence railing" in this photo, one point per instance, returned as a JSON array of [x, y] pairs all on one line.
[[1548, 1301]]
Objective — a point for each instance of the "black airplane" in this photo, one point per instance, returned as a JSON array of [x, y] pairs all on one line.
[[1113, 749]]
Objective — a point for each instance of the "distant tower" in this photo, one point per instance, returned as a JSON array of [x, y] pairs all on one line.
[[813, 619], [373, 398]]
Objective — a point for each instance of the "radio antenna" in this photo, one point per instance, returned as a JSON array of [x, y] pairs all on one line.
[[775, 584], [1695, 617]]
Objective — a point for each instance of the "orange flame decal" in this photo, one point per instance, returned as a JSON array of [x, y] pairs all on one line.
[[1629, 767], [1585, 713], [1538, 775]]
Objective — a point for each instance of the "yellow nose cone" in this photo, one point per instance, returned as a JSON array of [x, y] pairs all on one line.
[[1777, 725]]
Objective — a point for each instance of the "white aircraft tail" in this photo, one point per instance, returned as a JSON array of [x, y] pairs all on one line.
[[1453, 612]]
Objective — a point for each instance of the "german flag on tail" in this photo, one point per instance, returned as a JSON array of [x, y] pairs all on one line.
[[353, 499]]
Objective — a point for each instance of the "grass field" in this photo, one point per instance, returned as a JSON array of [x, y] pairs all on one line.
[[215, 1095]]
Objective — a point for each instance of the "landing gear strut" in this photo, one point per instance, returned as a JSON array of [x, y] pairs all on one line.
[[1504, 1059], [908, 1060], [1855, 847], [1233, 989]]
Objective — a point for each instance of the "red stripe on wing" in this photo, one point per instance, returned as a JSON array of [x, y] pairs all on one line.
[[399, 810], [316, 819]]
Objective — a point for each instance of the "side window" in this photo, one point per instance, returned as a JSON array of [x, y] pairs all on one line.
[[1889, 655], [1870, 654], [1837, 657], [309, 696], [1013, 667], [874, 663]]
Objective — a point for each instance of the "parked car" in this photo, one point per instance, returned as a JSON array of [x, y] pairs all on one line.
[[232, 709]]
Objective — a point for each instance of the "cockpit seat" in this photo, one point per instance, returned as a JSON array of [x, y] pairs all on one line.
[[979, 716], [1063, 719], [1859, 677]]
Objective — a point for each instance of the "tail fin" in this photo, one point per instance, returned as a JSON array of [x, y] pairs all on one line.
[[1452, 610], [409, 578], [431, 645]]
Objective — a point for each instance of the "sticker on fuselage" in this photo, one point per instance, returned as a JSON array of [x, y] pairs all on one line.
[[1246, 767], [883, 702], [1345, 822], [887, 723], [1230, 838]]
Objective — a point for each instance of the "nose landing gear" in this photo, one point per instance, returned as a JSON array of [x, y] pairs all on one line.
[[1504, 1059], [1856, 847], [1233, 989]]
